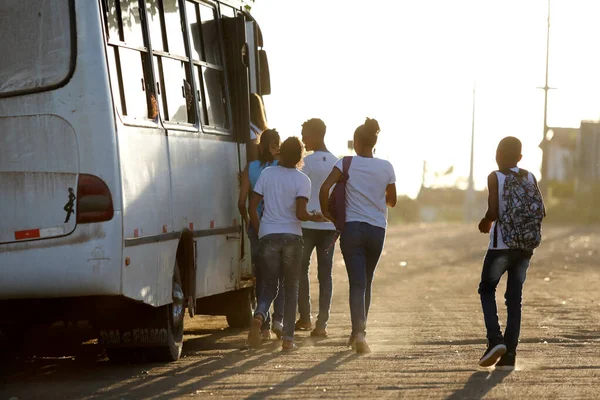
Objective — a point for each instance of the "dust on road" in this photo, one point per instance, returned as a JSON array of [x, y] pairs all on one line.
[[425, 329]]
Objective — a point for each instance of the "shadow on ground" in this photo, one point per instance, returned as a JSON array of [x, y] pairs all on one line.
[[479, 384]]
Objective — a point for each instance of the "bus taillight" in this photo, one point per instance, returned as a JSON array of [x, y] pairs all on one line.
[[94, 201]]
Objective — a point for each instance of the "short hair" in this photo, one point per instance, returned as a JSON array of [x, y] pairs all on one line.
[[315, 125], [291, 152], [510, 147]]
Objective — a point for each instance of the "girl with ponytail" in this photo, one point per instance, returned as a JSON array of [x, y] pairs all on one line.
[[370, 189]]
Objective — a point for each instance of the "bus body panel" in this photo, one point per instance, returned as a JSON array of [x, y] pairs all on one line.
[[148, 276], [144, 165], [218, 271]]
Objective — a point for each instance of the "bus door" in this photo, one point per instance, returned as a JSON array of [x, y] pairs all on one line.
[[236, 56]]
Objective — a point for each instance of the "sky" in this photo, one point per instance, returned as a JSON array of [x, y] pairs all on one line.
[[413, 64]]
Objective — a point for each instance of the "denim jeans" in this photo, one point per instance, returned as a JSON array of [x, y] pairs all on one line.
[[361, 245], [255, 256], [323, 241], [495, 264], [280, 259]]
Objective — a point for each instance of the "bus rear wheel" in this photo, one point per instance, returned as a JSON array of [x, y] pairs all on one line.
[[175, 313], [167, 319]]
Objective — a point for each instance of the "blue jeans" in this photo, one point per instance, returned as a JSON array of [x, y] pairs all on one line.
[[495, 264], [323, 240], [255, 256], [361, 245], [280, 257]]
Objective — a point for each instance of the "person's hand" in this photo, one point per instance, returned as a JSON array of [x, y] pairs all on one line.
[[485, 226], [318, 217]]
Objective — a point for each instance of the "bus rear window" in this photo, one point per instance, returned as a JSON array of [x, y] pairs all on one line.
[[36, 44]]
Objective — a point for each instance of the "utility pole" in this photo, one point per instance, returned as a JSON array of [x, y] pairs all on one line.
[[546, 88], [470, 195]]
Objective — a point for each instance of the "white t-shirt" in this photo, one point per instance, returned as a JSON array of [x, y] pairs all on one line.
[[280, 187], [501, 207], [365, 190], [317, 167]]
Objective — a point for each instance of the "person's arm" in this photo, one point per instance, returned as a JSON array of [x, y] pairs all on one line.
[[391, 198], [304, 215], [493, 205], [253, 150], [243, 197], [255, 199], [331, 180]]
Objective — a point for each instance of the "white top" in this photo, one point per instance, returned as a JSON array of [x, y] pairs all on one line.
[[365, 190], [280, 187], [317, 167], [501, 207]]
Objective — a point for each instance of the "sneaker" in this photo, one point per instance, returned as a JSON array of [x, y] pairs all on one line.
[[507, 362], [266, 335], [319, 332], [254, 336], [492, 354], [361, 345], [302, 325], [288, 345], [278, 329]]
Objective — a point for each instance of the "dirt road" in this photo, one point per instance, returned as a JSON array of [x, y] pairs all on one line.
[[425, 329]]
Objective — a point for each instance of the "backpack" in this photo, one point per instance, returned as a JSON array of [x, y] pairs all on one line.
[[521, 222], [337, 199]]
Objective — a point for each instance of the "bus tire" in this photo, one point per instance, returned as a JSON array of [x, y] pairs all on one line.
[[173, 314], [240, 314]]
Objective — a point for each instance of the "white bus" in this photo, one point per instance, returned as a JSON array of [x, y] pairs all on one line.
[[123, 127]]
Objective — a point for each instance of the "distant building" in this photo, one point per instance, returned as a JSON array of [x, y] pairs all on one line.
[[588, 153], [560, 153]]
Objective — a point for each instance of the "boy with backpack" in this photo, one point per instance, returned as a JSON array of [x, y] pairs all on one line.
[[514, 220]]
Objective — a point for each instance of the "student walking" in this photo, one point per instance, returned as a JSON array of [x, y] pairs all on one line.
[[319, 235], [513, 219], [269, 152], [285, 192], [370, 187]]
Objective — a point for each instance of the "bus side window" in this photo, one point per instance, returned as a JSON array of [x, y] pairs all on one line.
[[128, 60], [207, 58], [171, 61]]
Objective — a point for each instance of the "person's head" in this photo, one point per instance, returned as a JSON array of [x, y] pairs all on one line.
[[257, 112], [269, 146], [313, 133], [291, 152], [365, 136], [508, 153]]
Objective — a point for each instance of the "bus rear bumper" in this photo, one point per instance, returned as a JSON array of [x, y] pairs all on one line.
[[84, 263]]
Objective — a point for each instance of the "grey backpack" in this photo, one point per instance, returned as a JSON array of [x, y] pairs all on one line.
[[521, 222]]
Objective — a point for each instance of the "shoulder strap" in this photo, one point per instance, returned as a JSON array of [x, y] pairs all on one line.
[[346, 164]]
